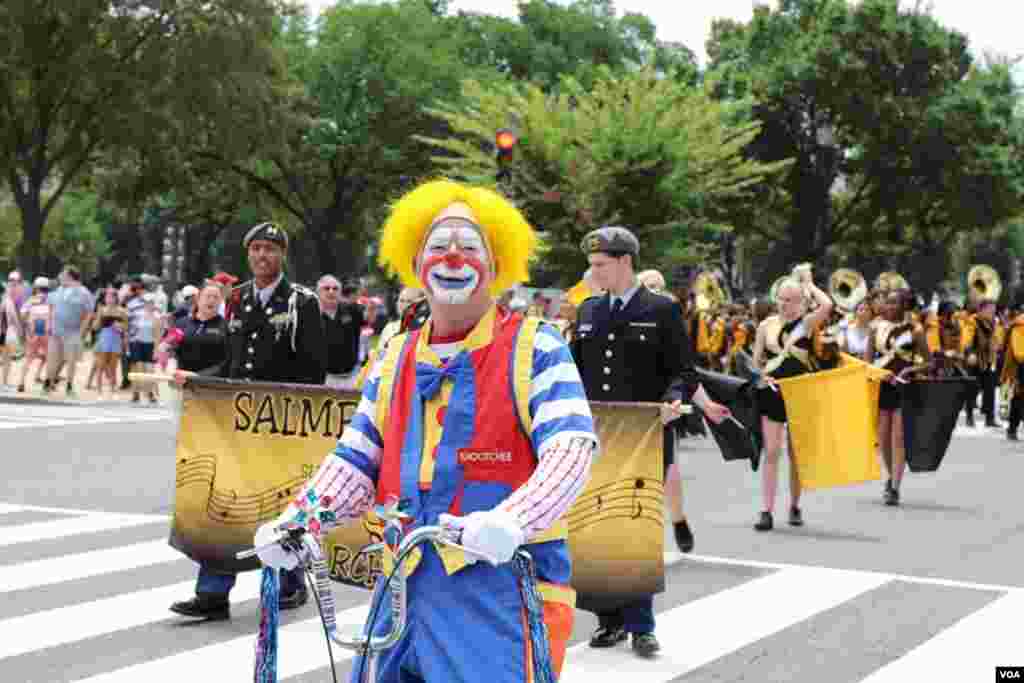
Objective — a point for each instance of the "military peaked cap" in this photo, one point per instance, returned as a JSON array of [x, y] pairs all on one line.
[[266, 231], [611, 239]]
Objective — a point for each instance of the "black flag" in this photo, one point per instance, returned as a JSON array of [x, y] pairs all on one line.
[[930, 410], [739, 438]]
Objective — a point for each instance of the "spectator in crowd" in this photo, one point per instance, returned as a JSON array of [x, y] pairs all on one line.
[[11, 330], [202, 335], [133, 304], [184, 309], [38, 327], [110, 325], [141, 349], [413, 310], [160, 298], [343, 322], [70, 312]]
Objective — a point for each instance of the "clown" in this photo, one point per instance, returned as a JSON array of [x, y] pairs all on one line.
[[477, 421]]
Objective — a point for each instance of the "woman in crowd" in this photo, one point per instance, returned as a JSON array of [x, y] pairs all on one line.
[[782, 348], [36, 313], [201, 344], [109, 326], [11, 332], [149, 325]]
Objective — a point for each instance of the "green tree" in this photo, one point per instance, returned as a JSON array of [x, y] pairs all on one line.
[[652, 153], [339, 138], [551, 40], [80, 78], [75, 232], [899, 138]]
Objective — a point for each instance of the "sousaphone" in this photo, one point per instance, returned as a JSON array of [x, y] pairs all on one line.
[[848, 289], [709, 293], [983, 284], [891, 281], [773, 292]]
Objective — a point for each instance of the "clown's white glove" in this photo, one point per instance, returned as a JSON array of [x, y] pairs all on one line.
[[494, 533], [274, 556]]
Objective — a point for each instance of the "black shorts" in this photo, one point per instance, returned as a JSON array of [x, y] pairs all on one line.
[[141, 352], [771, 405], [890, 396]]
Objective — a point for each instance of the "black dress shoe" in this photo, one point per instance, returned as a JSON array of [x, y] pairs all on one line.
[[765, 523], [607, 637], [1011, 436], [209, 607], [991, 422], [684, 536], [645, 644], [796, 518], [293, 600], [970, 421], [892, 497]]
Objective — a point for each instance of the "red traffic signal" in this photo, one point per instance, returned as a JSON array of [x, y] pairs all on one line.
[[505, 141]]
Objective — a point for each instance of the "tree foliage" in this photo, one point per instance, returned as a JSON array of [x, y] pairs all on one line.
[[925, 142], [80, 78], [648, 152]]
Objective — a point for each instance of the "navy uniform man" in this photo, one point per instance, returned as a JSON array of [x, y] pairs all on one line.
[[275, 334], [631, 345]]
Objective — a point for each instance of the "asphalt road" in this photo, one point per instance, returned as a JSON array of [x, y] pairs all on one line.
[[929, 591]]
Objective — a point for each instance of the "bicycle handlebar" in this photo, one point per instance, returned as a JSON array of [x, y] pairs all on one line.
[[312, 558]]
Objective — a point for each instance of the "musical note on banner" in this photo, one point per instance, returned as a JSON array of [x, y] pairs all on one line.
[[633, 499]]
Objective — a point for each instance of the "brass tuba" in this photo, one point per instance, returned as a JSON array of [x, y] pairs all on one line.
[[983, 284], [848, 289], [709, 293], [774, 291], [891, 281]]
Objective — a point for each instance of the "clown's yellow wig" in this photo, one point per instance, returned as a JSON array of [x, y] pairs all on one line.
[[508, 235]]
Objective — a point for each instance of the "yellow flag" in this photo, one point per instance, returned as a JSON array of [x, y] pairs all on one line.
[[833, 422]]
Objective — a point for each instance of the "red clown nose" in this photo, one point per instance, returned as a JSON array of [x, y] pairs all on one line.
[[454, 260]]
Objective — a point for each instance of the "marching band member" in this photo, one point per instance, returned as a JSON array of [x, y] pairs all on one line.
[[895, 345], [856, 336], [1013, 367], [783, 349], [982, 354], [942, 337], [445, 429]]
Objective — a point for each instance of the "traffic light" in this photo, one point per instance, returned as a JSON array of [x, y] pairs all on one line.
[[505, 142]]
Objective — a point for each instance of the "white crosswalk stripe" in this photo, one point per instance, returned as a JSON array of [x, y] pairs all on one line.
[[18, 415], [129, 635]]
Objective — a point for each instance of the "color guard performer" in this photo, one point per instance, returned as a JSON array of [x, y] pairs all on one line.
[[783, 349], [896, 344]]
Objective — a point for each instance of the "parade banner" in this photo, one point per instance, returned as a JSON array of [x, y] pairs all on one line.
[[930, 411], [245, 449], [833, 424]]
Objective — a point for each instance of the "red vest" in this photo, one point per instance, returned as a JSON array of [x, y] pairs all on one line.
[[499, 457]]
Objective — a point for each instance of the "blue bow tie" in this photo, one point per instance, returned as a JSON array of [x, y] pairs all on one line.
[[430, 378]]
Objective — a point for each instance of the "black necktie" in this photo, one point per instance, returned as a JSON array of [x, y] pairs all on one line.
[[616, 308]]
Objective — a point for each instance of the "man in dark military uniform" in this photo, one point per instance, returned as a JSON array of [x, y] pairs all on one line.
[[631, 345], [275, 334]]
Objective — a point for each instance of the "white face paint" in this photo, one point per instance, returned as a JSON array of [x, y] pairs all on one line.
[[454, 262]]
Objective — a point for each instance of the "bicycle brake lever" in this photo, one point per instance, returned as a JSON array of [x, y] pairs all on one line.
[[291, 539]]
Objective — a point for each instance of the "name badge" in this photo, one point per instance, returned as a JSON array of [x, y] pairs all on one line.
[[643, 324], [468, 457], [586, 327]]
